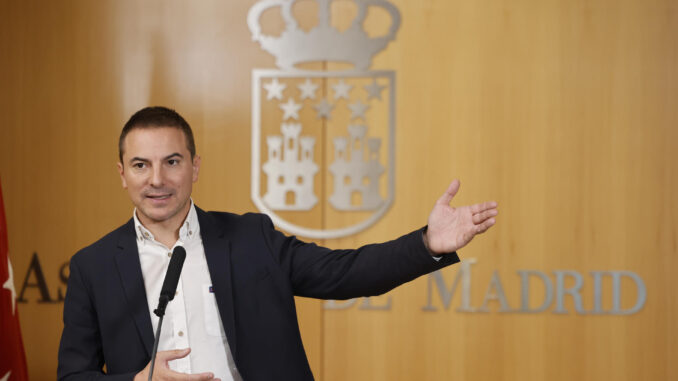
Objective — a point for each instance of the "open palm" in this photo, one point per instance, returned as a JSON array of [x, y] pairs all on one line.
[[451, 228]]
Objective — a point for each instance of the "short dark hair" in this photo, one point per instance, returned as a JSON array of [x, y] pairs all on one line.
[[155, 117]]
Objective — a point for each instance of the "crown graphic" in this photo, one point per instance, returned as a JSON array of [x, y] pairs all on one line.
[[324, 42]]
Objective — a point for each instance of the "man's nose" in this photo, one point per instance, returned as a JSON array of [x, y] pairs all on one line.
[[157, 176]]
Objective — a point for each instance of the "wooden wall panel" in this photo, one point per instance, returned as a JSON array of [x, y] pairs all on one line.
[[563, 111], [72, 74]]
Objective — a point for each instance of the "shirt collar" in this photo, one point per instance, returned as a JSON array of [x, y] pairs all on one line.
[[190, 228]]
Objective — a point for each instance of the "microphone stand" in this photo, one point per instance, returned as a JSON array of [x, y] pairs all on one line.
[[167, 292], [160, 311]]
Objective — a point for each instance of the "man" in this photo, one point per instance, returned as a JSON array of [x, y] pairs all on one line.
[[233, 316]]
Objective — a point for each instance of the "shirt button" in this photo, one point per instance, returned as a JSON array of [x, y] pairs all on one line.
[[169, 254], [181, 333], [176, 293], [190, 232]]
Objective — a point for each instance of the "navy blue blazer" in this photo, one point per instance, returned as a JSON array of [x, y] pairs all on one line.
[[255, 272]]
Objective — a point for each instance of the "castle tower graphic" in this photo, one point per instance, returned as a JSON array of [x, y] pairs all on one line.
[[356, 171], [290, 170]]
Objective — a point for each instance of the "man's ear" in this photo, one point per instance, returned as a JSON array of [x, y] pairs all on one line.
[[196, 167], [121, 171]]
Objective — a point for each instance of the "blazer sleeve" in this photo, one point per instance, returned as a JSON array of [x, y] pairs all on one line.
[[374, 269], [80, 351]]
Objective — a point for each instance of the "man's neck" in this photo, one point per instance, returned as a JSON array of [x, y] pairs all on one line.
[[167, 231]]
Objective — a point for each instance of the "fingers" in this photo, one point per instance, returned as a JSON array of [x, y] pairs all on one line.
[[482, 228], [172, 354], [164, 372], [172, 375], [479, 208], [168, 374], [451, 191], [482, 216], [200, 377]]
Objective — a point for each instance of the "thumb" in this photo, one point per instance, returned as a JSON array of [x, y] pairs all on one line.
[[173, 354], [451, 191]]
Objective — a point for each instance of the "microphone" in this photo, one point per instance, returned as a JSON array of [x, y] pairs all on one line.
[[169, 287]]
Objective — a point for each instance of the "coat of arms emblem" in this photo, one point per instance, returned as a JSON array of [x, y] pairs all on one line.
[[322, 140]]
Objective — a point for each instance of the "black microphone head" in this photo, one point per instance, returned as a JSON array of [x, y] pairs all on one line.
[[169, 286]]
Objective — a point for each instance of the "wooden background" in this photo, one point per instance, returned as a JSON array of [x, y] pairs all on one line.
[[564, 111]]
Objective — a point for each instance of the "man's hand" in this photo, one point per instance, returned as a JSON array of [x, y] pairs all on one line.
[[162, 371], [450, 229]]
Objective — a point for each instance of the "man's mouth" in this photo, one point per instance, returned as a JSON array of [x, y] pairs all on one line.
[[159, 196]]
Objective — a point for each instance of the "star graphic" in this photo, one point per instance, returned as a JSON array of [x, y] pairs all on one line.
[[291, 109], [9, 284], [358, 109], [6, 376], [324, 109], [308, 89], [341, 89], [374, 90], [274, 89]]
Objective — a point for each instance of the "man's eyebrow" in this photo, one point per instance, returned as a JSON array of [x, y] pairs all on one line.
[[177, 154], [136, 158], [144, 160]]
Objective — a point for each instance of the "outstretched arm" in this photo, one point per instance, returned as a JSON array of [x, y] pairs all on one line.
[[451, 228], [374, 269]]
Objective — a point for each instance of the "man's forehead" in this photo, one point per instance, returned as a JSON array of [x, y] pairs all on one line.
[[152, 142]]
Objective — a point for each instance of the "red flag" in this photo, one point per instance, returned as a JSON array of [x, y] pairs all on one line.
[[12, 357]]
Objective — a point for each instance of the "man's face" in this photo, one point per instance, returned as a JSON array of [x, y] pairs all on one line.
[[158, 172]]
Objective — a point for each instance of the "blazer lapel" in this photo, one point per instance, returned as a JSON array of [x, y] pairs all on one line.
[[129, 269], [217, 253]]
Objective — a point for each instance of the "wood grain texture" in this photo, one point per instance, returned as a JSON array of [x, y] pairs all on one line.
[[562, 111]]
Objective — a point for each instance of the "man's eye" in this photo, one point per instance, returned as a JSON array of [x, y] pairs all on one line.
[[139, 165], [173, 161]]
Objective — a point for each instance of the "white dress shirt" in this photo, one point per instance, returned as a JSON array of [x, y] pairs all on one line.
[[192, 318]]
